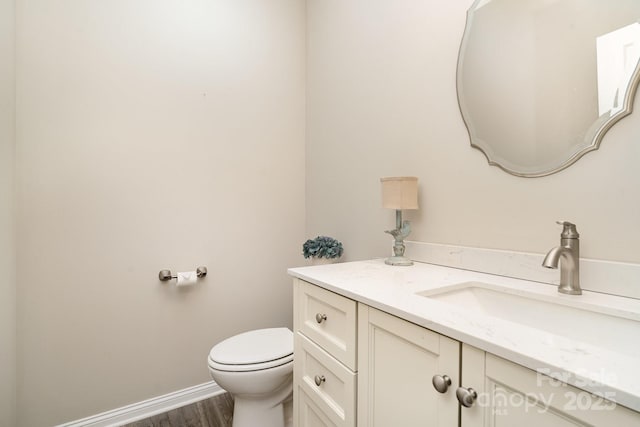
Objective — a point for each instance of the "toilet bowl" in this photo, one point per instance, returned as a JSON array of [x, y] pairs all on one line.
[[256, 367]]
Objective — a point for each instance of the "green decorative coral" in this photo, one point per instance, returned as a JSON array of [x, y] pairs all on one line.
[[322, 247]]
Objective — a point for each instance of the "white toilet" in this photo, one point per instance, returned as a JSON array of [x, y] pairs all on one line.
[[256, 367]]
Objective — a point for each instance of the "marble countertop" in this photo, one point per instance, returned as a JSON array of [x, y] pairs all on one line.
[[586, 365]]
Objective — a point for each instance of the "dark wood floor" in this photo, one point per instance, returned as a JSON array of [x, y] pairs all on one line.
[[214, 412]]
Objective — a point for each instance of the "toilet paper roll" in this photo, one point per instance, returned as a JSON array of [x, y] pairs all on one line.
[[186, 278]]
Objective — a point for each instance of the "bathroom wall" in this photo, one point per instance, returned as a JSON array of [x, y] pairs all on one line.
[[151, 135], [7, 248], [381, 101]]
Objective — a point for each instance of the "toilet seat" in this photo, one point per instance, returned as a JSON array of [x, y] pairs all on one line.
[[253, 351], [250, 367]]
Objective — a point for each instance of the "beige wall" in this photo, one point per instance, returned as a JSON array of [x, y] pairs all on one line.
[[7, 248], [151, 135], [382, 102]]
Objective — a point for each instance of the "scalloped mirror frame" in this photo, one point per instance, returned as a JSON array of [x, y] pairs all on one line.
[[598, 132]]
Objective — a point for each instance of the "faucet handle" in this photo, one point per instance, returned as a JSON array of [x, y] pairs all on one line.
[[568, 230]]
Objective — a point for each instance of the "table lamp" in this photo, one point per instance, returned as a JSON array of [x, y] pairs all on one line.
[[399, 193]]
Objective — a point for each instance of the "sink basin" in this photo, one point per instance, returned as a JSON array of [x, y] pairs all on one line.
[[555, 314]]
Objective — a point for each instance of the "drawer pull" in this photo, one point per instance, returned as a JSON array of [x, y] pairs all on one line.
[[319, 380], [466, 396], [441, 383], [320, 317]]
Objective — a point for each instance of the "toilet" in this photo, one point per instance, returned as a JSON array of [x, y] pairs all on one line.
[[256, 367]]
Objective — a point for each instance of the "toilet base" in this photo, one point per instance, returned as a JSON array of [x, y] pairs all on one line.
[[246, 412], [249, 411]]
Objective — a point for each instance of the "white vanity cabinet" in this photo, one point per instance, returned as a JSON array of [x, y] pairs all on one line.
[[398, 359], [512, 395], [352, 358], [325, 365]]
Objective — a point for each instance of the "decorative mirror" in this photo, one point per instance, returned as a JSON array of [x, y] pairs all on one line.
[[541, 81]]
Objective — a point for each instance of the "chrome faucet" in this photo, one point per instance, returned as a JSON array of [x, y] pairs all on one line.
[[569, 252]]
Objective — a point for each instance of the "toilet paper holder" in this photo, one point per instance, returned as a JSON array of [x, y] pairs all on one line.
[[166, 275]]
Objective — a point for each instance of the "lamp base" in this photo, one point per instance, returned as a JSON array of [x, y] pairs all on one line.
[[398, 260]]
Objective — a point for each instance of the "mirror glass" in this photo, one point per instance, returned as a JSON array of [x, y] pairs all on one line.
[[541, 81]]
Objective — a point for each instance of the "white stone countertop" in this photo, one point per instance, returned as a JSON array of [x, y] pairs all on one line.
[[586, 365]]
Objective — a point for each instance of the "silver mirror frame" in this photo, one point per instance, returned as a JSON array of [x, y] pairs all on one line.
[[479, 144]]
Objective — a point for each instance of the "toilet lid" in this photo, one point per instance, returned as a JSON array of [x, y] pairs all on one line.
[[254, 347]]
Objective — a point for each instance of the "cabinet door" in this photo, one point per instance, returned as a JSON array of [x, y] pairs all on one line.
[[397, 361], [512, 395]]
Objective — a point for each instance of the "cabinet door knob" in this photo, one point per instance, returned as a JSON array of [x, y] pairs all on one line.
[[441, 383], [466, 396], [319, 379], [320, 317]]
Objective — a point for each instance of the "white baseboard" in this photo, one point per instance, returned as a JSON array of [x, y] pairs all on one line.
[[148, 408]]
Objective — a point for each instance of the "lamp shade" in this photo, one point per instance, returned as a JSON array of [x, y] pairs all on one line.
[[400, 192]]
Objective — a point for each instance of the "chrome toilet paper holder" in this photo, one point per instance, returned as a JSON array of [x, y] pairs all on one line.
[[166, 275]]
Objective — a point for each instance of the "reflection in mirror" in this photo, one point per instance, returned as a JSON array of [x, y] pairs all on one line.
[[541, 81]]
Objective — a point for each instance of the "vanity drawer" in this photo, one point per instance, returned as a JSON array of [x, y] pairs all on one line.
[[329, 320], [309, 415], [325, 381]]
